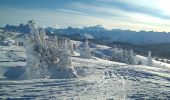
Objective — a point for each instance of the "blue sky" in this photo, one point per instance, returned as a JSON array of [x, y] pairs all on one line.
[[125, 14]]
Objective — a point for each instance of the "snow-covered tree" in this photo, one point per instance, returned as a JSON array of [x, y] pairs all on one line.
[[65, 55], [115, 54], [149, 59], [85, 51], [131, 57], [45, 55], [37, 66], [125, 56], [70, 46], [121, 55]]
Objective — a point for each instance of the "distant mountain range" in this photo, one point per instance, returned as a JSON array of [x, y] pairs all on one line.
[[100, 33], [20, 28]]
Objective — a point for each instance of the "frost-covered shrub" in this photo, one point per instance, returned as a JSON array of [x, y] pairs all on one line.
[[131, 57], [45, 56], [120, 55], [85, 51], [149, 59]]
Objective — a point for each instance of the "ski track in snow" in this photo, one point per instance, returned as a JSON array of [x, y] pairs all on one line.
[[124, 82], [119, 86]]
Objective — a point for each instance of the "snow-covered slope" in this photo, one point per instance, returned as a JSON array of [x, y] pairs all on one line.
[[11, 57], [155, 63], [98, 80]]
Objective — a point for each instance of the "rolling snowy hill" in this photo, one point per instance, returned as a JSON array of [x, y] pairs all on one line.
[[98, 79]]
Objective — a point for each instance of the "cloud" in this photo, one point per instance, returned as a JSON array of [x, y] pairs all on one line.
[[137, 6], [123, 14]]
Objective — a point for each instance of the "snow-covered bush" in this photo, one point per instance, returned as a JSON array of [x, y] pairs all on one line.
[[120, 55], [47, 55], [149, 59], [131, 57], [70, 46], [85, 51]]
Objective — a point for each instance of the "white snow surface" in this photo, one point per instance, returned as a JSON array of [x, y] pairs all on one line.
[[98, 80]]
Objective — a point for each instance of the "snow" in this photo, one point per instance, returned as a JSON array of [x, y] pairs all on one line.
[[116, 35], [47, 57], [16, 59], [124, 83], [98, 79], [155, 63], [9, 41]]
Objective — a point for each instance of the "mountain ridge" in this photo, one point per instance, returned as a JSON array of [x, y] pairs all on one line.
[[100, 33]]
